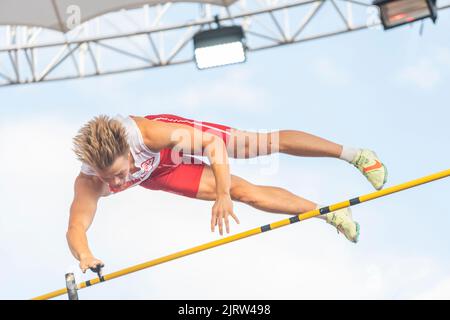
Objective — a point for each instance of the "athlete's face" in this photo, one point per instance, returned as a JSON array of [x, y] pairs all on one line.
[[116, 175]]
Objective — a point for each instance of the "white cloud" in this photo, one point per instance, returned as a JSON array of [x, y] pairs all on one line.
[[303, 261], [425, 74], [440, 290], [232, 91], [443, 56], [329, 72]]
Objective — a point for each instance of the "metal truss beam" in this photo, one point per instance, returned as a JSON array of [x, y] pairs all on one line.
[[159, 36]]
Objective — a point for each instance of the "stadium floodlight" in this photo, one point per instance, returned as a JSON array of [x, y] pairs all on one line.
[[218, 47], [395, 13]]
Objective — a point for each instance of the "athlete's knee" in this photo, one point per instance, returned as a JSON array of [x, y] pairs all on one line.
[[242, 145], [284, 140], [244, 191], [252, 144], [273, 142]]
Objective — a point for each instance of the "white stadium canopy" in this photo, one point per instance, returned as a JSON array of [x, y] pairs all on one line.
[[53, 40], [55, 14]]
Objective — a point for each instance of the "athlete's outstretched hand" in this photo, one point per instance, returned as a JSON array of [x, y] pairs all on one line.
[[90, 262], [223, 207]]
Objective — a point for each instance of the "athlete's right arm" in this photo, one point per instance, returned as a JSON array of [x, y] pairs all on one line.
[[87, 192]]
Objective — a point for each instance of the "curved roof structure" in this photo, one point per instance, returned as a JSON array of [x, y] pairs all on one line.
[[59, 14], [37, 45]]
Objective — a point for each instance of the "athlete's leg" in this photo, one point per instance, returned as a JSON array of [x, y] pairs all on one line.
[[247, 144], [269, 199], [275, 200]]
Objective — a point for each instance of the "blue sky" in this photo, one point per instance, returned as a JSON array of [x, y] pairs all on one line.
[[387, 91]]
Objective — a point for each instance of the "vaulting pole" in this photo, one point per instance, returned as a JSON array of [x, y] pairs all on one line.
[[251, 232]]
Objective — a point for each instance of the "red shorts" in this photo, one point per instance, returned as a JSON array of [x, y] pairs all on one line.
[[180, 177]]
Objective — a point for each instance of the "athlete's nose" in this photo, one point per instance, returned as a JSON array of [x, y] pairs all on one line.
[[117, 182]]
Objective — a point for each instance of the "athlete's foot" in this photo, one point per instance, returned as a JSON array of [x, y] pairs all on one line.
[[343, 221], [371, 167]]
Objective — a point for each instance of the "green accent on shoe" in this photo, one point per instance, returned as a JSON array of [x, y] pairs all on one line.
[[357, 232]]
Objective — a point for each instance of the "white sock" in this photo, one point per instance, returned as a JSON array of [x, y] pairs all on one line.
[[348, 153]]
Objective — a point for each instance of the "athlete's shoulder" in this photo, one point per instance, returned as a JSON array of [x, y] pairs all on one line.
[[91, 184], [149, 131], [145, 125]]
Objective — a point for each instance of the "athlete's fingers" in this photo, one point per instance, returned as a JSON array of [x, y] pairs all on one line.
[[220, 227], [234, 217], [96, 266], [227, 223], [213, 222], [83, 268], [221, 224]]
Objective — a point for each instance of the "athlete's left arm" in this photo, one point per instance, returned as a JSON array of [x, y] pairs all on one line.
[[161, 135]]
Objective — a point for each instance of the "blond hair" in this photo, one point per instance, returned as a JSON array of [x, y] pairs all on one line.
[[100, 142]]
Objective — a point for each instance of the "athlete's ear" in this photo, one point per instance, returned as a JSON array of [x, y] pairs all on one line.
[[130, 158]]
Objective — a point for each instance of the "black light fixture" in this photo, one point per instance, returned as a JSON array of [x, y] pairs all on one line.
[[218, 47], [395, 13]]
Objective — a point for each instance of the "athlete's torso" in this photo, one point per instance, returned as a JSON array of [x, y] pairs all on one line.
[[144, 159]]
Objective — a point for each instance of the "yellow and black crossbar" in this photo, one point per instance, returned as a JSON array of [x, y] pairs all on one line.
[[251, 232]]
